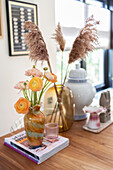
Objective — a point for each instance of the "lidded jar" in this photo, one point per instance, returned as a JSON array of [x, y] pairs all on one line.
[[83, 91]]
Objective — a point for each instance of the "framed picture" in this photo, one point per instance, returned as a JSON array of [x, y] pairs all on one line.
[[17, 13], [1, 24]]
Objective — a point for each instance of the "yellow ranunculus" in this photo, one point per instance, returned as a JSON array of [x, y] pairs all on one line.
[[36, 84]]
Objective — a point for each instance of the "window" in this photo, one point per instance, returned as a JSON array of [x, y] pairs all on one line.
[[98, 62], [111, 5], [65, 63], [99, 3], [79, 0], [95, 67], [95, 3]]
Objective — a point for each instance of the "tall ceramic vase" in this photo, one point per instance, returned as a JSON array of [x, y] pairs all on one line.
[[34, 122], [59, 110]]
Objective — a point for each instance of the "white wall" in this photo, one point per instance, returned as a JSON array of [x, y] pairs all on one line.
[[12, 68]]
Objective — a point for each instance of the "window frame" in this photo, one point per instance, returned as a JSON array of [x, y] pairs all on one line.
[[104, 84], [107, 56]]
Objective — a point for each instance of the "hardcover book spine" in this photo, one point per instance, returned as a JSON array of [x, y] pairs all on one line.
[[22, 153]]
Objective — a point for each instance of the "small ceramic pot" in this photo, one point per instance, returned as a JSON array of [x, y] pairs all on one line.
[[94, 120]]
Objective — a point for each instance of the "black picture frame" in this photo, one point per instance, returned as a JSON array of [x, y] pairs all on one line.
[[17, 13], [1, 24]]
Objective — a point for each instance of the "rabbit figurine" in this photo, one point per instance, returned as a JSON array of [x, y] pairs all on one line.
[[105, 102]]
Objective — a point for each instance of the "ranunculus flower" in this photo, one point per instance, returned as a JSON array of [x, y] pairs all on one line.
[[22, 105], [50, 77], [21, 85], [34, 72], [36, 84]]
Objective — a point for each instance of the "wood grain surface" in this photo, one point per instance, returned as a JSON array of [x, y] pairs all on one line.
[[87, 151]]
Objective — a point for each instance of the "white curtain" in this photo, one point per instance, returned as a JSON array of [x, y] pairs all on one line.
[[72, 15], [103, 15]]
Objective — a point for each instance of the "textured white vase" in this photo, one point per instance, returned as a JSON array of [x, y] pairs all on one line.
[[82, 90]]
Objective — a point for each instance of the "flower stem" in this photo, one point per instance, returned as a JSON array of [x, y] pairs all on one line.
[[64, 80], [62, 68], [47, 87], [51, 72], [29, 93], [42, 91], [35, 98], [24, 93], [31, 98]]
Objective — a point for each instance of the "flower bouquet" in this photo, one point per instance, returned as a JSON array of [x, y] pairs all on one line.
[[29, 105], [85, 42]]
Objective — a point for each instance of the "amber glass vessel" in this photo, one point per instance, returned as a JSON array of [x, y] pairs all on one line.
[[34, 122], [59, 110]]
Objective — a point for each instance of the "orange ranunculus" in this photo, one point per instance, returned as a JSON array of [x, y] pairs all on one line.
[[50, 77], [55, 78], [36, 84], [22, 105]]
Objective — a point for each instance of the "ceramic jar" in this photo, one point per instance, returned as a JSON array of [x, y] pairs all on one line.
[[82, 90], [94, 121], [34, 122]]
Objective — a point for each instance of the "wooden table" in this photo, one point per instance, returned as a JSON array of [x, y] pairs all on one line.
[[87, 151]]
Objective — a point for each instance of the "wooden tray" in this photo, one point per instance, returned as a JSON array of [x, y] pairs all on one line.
[[102, 127]]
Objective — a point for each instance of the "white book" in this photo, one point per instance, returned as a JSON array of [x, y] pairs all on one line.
[[41, 153]]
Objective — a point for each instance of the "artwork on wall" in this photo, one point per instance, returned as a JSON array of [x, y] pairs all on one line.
[[17, 13], [1, 26]]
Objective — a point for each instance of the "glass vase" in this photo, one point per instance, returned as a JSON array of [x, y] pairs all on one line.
[[34, 122], [59, 110]]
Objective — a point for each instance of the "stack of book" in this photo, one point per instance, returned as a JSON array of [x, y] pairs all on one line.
[[19, 143]]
